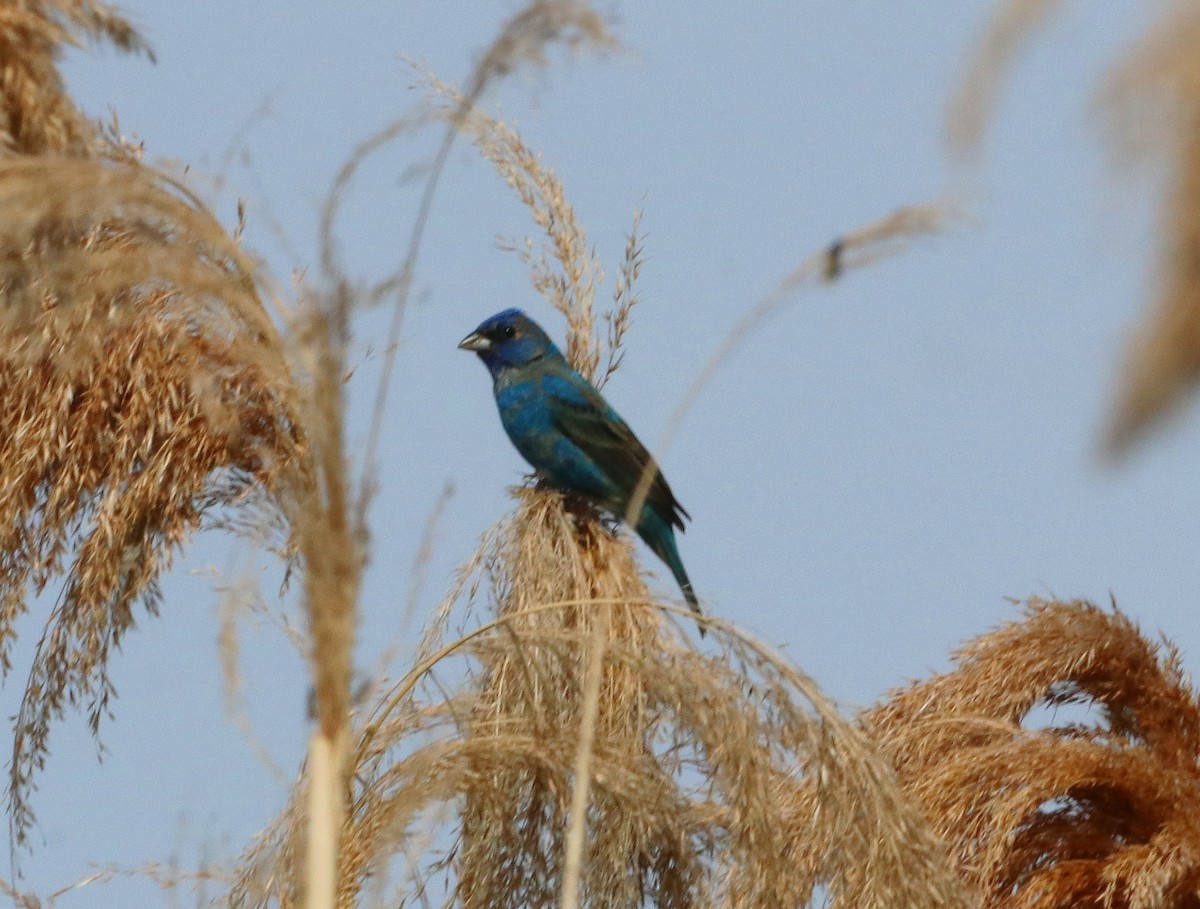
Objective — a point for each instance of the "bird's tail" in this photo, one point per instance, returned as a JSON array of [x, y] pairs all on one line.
[[660, 537]]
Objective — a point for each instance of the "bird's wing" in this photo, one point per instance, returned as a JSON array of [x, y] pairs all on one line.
[[585, 418]]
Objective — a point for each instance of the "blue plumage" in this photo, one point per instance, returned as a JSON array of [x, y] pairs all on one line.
[[565, 429]]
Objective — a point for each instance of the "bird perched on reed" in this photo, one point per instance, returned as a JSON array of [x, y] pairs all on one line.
[[570, 435]]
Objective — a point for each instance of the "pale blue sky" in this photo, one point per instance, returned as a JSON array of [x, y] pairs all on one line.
[[878, 469]]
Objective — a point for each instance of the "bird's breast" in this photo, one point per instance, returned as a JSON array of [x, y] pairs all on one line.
[[527, 420]]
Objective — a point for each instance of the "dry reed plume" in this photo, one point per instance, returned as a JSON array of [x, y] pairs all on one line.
[[714, 781], [142, 385], [1094, 812], [1152, 96]]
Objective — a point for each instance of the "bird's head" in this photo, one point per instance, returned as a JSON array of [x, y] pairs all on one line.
[[508, 339]]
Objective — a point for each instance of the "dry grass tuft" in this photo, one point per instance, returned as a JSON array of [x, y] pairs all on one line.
[[721, 780], [619, 319], [528, 720], [539, 25], [1098, 811], [1153, 98], [142, 384]]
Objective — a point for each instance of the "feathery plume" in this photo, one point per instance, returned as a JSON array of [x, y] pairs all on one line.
[[143, 387], [1098, 811]]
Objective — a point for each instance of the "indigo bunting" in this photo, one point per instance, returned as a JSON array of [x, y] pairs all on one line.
[[570, 435]]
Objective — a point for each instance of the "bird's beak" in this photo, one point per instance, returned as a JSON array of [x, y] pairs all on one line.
[[474, 341]]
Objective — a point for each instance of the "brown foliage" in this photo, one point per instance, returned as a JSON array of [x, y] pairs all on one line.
[[1099, 812]]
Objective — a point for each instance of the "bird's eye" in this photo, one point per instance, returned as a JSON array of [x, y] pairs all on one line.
[[507, 332]]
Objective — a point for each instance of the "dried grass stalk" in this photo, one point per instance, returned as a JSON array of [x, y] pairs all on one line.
[[1092, 812], [864, 246], [331, 537], [715, 780]]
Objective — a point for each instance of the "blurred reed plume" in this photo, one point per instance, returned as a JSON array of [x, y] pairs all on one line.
[[721, 780], [1152, 97], [142, 385], [1098, 811]]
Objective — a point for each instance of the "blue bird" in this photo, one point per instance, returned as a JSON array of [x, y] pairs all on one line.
[[570, 435]]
